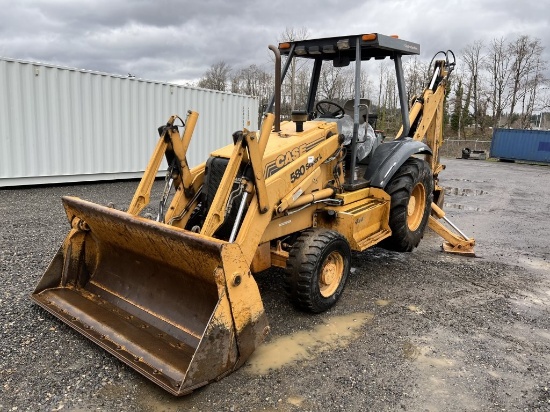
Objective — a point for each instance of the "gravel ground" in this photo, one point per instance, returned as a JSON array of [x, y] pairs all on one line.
[[422, 331]]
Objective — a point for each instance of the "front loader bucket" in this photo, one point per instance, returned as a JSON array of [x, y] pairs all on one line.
[[180, 308]]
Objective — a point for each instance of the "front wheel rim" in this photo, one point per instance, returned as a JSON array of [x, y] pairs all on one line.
[[332, 272]]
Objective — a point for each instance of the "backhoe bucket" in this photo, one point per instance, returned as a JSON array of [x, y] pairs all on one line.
[[181, 308]]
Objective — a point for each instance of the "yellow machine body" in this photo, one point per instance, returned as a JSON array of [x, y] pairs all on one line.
[[175, 298]]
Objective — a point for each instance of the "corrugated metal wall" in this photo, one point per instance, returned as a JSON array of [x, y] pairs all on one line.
[[66, 125], [520, 144]]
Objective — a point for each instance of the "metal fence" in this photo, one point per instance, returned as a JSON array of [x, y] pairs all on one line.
[[453, 147]]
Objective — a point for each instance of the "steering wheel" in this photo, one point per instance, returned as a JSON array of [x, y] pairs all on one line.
[[323, 108]]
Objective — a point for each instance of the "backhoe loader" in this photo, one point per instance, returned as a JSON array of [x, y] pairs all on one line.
[[174, 297]]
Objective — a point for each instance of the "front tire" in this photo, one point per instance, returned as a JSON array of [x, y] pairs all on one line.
[[411, 191], [317, 269]]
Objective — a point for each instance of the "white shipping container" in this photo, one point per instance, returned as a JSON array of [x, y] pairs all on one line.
[[61, 124]]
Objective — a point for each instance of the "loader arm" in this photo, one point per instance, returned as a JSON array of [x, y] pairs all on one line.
[[179, 147], [217, 212], [249, 148], [143, 192], [180, 208], [169, 141]]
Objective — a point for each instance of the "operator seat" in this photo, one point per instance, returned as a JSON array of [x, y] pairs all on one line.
[[366, 138]]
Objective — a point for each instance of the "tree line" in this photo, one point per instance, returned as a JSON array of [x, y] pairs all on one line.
[[499, 84]]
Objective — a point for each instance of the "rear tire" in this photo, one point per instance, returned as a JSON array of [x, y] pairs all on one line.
[[411, 191], [317, 269]]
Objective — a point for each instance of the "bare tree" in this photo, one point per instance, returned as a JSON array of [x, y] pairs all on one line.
[[216, 77], [292, 34], [415, 71], [253, 81], [531, 88], [543, 101], [366, 85], [526, 64], [389, 117], [301, 88], [498, 66], [474, 60], [456, 117], [466, 119], [332, 83], [507, 84]]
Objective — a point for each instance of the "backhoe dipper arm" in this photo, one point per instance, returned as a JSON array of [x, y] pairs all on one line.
[[426, 119], [426, 113]]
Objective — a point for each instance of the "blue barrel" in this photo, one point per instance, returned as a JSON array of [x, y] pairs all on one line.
[[520, 144]]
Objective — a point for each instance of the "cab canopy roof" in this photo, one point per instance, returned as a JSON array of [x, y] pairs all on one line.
[[343, 48]]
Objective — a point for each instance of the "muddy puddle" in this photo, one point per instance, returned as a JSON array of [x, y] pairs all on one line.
[[464, 192], [335, 332], [447, 206]]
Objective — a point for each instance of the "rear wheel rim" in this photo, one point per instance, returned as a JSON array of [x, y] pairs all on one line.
[[416, 206], [332, 272]]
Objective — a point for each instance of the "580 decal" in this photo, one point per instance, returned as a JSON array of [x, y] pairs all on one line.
[[300, 171], [297, 173]]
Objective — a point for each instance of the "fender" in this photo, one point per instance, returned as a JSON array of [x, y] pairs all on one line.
[[388, 157]]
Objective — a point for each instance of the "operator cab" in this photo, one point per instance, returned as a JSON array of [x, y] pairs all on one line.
[[352, 117]]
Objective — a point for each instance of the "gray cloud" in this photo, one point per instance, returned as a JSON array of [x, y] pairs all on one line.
[[178, 40]]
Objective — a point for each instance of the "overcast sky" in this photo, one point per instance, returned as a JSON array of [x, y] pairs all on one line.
[[178, 41]]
